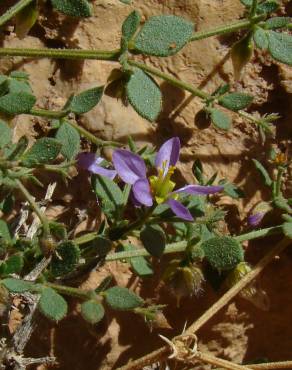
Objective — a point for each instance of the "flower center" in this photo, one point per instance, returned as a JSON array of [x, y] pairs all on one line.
[[161, 185]]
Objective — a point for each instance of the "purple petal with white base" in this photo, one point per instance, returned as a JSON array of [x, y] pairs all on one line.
[[168, 154], [199, 189], [129, 166], [141, 192], [180, 210], [91, 163], [255, 219]]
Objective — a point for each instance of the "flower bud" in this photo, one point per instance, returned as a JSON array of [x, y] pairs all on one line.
[[258, 213]]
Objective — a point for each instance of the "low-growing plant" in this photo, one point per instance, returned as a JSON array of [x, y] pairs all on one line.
[[146, 215]]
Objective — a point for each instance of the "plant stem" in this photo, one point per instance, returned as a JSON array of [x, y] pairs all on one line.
[[279, 181], [272, 365], [253, 9], [11, 12], [88, 135], [61, 53], [219, 362], [223, 301], [73, 292], [232, 27], [35, 207], [181, 246], [172, 80]]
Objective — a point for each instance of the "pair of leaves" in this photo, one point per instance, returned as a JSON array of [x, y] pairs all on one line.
[[73, 8]]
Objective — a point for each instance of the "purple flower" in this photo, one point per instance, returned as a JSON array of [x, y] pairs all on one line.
[[132, 170], [258, 213], [91, 162]]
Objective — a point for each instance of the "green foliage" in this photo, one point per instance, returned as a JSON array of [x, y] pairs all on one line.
[[85, 101], [110, 195], [144, 95], [268, 7], [69, 137], [52, 304], [65, 259], [13, 265], [232, 190], [277, 22], [236, 101], [92, 311], [153, 239], [222, 252], [17, 103], [43, 151], [266, 177], [241, 53], [197, 169], [26, 19], [15, 151], [17, 285], [219, 119], [260, 37], [163, 35], [74, 8], [122, 299], [287, 229], [139, 264], [131, 25], [6, 134], [280, 46], [4, 231]]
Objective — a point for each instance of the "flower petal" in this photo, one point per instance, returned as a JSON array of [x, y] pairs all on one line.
[[90, 162], [168, 154], [130, 167], [141, 192], [255, 219], [180, 210], [199, 189]]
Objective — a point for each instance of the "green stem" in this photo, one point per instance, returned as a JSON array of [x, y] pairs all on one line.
[[253, 9], [35, 207], [229, 28], [70, 291], [11, 12], [85, 238], [181, 246], [172, 80], [279, 181], [88, 135], [62, 53]]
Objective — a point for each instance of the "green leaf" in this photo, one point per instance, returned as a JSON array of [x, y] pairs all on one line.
[[267, 7], [43, 151], [122, 299], [17, 285], [153, 239], [26, 19], [17, 103], [4, 231], [65, 259], [221, 90], [266, 177], [6, 134], [139, 264], [241, 54], [85, 101], [163, 35], [92, 311], [131, 25], [14, 264], [110, 194], [144, 95], [69, 137], [105, 283], [280, 47], [197, 169], [74, 8], [19, 85], [260, 37], [236, 101], [287, 229], [219, 119], [52, 305], [277, 22], [222, 252], [233, 191], [16, 150]]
